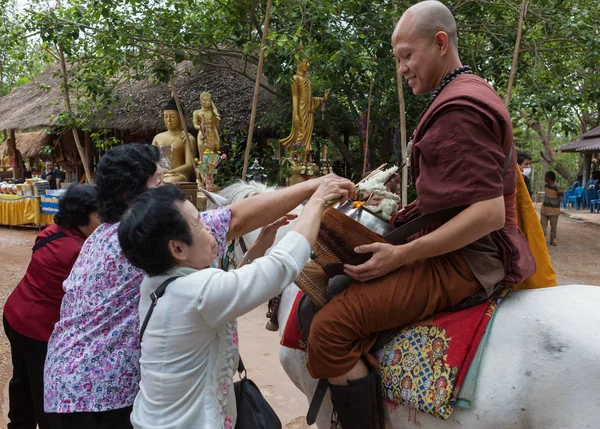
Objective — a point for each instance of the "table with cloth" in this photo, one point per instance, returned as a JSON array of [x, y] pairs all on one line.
[[22, 210]]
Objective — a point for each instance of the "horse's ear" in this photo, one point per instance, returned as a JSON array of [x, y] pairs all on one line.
[[216, 199]]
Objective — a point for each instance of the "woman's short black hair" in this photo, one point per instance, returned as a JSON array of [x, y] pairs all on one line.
[[147, 227], [121, 176], [76, 206]]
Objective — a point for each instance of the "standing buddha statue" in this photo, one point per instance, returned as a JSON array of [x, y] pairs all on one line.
[[207, 121], [303, 105], [176, 158]]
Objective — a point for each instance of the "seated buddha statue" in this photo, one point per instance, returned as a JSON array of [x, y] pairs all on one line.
[[176, 158], [207, 121]]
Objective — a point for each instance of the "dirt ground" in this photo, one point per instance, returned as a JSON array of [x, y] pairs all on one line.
[[575, 259]]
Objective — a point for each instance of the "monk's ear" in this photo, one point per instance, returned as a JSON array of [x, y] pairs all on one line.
[[442, 41]]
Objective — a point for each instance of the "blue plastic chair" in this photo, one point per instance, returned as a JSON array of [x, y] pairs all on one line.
[[575, 198], [589, 193], [567, 194], [595, 203]]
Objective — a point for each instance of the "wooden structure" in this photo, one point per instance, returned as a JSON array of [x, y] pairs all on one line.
[[589, 146]]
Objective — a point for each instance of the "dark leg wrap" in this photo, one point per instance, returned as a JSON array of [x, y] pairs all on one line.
[[359, 403]]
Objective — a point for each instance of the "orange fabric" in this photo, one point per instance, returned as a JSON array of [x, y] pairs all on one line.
[[346, 328], [529, 223]]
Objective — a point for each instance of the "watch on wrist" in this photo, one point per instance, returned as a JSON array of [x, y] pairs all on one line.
[[246, 258]]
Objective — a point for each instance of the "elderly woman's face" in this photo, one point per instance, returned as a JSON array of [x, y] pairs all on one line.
[[156, 179], [203, 250]]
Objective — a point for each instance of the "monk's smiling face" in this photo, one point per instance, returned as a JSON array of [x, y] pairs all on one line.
[[424, 42]]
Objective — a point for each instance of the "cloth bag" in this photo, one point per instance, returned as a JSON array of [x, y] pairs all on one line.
[[253, 410]]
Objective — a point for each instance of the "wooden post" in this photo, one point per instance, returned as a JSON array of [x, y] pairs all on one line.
[[364, 169], [513, 69], [259, 69], [587, 167], [403, 142]]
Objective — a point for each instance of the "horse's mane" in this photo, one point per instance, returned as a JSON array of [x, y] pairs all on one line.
[[240, 190]]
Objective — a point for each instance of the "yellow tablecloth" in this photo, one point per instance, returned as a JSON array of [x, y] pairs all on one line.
[[19, 210]]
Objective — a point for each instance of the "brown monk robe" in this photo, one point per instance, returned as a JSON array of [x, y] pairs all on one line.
[[458, 159]]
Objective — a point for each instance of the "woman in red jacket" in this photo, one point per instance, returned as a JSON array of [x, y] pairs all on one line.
[[34, 306]]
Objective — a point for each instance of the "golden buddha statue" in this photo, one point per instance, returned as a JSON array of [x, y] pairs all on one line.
[[303, 107], [176, 158], [207, 121]]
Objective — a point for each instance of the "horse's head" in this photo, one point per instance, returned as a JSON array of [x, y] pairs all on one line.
[[240, 191]]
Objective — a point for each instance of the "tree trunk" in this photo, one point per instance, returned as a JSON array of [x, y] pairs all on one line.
[[193, 150], [345, 151], [403, 140], [366, 151], [11, 143], [259, 69], [513, 69], [63, 66], [385, 145], [545, 136]]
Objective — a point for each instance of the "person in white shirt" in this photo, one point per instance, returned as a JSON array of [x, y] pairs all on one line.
[[190, 346]]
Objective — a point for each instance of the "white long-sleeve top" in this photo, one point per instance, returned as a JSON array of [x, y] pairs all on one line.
[[190, 347]]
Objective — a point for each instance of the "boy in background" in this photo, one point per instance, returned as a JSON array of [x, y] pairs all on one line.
[[551, 207]]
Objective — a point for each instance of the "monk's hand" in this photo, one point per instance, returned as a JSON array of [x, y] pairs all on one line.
[[386, 258], [267, 235]]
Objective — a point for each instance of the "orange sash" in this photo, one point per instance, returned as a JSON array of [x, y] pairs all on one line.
[[529, 224]]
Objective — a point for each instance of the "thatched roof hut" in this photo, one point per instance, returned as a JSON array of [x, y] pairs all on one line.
[[139, 110], [33, 105], [30, 144], [140, 104]]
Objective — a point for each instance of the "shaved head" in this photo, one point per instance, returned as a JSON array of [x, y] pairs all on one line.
[[425, 43], [429, 17]]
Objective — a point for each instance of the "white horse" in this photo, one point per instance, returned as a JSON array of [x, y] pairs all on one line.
[[540, 370]]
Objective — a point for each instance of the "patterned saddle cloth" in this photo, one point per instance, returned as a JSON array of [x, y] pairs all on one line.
[[430, 366]]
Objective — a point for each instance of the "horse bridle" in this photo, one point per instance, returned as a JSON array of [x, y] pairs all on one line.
[[229, 257]]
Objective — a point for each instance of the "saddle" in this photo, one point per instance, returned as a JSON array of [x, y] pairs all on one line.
[[323, 278]]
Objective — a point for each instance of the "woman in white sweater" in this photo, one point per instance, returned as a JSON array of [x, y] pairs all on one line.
[[190, 346]]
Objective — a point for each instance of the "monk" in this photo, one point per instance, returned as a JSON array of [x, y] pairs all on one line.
[[461, 158]]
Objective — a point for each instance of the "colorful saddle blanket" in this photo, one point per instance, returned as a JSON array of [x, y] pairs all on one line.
[[426, 365]]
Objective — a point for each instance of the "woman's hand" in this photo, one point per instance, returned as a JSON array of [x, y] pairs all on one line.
[[267, 235], [386, 258], [333, 188]]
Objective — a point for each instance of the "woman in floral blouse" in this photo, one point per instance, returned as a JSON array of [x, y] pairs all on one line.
[[91, 374]]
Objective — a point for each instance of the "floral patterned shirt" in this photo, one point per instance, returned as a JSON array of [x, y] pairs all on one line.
[[93, 354]]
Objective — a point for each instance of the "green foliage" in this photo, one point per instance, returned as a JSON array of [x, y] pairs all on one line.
[[557, 87]]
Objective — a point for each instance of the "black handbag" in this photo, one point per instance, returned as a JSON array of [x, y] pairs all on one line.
[[253, 410]]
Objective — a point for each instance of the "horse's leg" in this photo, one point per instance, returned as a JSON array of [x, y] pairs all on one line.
[[294, 361], [294, 365]]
